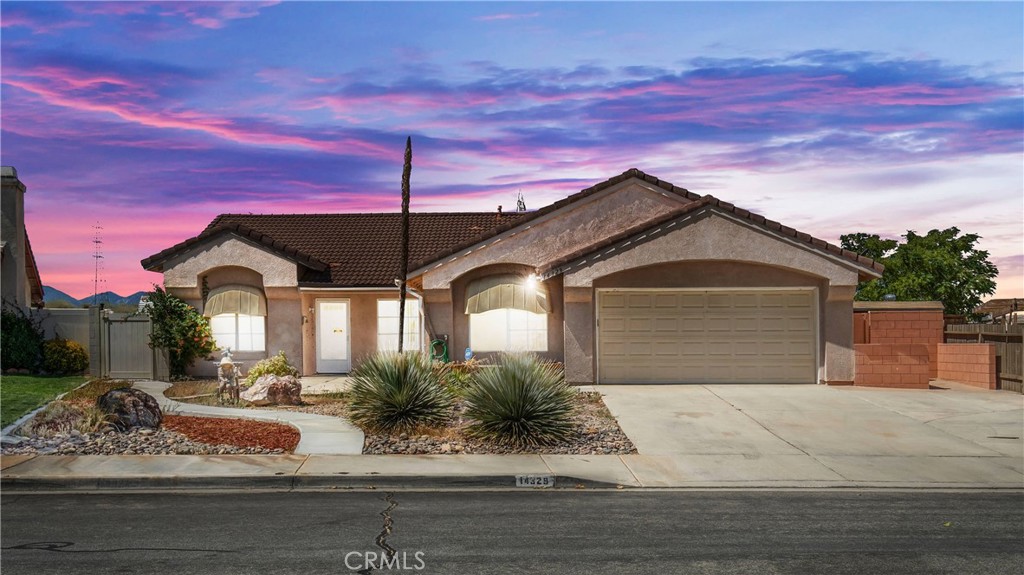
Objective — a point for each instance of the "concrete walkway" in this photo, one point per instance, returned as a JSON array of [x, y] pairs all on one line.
[[320, 434]]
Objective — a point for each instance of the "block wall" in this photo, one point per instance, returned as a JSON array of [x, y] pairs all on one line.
[[969, 363], [903, 365], [903, 327]]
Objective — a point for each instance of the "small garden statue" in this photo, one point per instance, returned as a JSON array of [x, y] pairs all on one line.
[[227, 377]]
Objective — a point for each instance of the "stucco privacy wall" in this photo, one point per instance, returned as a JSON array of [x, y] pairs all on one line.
[[562, 232], [736, 255]]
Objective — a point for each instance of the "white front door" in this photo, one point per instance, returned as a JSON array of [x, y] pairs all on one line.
[[332, 336]]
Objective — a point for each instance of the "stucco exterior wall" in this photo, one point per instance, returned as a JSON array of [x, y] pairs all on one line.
[[284, 316], [15, 285], [717, 252], [184, 271], [448, 314], [562, 232], [362, 323], [716, 238]]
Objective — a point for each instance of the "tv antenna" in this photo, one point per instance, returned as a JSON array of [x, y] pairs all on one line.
[[97, 254]]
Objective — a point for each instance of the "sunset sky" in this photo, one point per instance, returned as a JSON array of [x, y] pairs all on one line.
[[150, 118]]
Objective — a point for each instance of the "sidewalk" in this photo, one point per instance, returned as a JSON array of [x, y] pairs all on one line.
[[286, 472]]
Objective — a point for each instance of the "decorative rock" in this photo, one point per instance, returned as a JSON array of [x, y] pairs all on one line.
[[274, 390], [131, 408]]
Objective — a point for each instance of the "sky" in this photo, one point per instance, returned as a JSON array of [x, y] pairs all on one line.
[[148, 119]]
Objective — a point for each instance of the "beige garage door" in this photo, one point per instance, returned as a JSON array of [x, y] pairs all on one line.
[[713, 336]]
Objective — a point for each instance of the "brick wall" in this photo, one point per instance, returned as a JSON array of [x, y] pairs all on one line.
[[903, 327], [970, 363], [892, 365]]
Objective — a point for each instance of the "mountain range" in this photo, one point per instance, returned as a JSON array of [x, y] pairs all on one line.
[[108, 297]]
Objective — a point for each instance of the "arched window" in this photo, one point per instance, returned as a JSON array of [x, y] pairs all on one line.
[[238, 317], [507, 313]]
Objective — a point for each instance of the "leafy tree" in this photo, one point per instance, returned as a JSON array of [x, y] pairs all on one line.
[[21, 338], [179, 329], [941, 265]]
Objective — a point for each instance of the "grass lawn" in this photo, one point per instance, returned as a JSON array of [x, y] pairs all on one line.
[[20, 394]]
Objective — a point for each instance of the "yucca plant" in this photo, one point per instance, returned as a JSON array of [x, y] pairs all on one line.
[[398, 392], [520, 401]]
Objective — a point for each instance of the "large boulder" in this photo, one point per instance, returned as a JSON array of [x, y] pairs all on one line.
[[131, 408], [274, 390]]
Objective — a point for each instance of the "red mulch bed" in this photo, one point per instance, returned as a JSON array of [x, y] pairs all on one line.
[[238, 432]]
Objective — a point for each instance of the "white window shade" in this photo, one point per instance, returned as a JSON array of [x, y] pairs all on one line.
[[238, 299]]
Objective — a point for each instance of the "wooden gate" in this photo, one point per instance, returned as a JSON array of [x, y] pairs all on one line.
[[126, 346]]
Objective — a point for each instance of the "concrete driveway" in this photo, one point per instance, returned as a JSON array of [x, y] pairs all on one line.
[[783, 433]]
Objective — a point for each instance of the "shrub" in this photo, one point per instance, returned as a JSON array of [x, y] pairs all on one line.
[[277, 365], [64, 357], [394, 392], [21, 340], [520, 401], [179, 329]]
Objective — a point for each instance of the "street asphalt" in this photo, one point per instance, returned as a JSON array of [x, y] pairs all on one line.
[[568, 532]]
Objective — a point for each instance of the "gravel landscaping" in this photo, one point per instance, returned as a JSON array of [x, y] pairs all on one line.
[[595, 433]]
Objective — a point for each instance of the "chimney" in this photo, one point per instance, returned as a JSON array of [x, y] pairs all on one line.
[[499, 214]]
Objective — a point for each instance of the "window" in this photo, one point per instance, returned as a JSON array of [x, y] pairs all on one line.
[[240, 332], [508, 329], [387, 325]]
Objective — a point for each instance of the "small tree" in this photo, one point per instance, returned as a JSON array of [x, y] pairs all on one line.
[[179, 329], [21, 338], [941, 265]]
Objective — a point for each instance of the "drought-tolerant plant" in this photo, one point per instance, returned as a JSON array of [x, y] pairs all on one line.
[[21, 339], [520, 401], [61, 417], [277, 365], [179, 329], [64, 357], [398, 391], [458, 375]]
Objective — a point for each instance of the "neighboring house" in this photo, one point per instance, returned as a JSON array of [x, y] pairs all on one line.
[[19, 276], [1005, 310], [633, 280]]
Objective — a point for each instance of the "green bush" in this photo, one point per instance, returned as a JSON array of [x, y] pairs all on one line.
[[64, 357], [520, 401], [457, 376], [21, 340], [395, 392], [179, 329], [277, 365]]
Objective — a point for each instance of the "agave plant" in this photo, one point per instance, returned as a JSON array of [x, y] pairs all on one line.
[[520, 401], [398, 391]]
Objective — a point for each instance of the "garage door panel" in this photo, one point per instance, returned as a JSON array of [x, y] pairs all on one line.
[[684, 336]]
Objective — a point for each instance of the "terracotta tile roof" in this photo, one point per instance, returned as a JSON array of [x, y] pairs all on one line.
[[350, 250], [703, 205]]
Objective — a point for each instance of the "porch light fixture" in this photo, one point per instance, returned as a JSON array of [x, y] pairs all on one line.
[[531, 282]]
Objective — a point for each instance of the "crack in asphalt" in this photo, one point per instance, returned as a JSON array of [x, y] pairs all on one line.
[[65, 547], [382, 538]]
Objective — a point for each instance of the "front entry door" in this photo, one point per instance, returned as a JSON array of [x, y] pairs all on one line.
[[332, 336]]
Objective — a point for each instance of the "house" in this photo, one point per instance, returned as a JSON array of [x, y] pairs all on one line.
[[19, 275], [1003, 310], [633, 280]]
